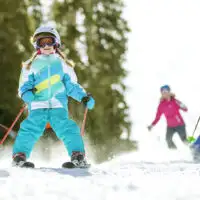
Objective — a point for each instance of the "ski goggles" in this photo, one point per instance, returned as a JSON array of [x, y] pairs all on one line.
[[164, 91], [50, 41]]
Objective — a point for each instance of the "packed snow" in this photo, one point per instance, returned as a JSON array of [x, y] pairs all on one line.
[[158, 174]]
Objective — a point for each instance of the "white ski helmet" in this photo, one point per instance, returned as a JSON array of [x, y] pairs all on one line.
[[46, 29]]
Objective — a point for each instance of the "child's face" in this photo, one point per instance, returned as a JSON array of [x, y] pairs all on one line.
[[47, 50], [165, 94], [46, 44]]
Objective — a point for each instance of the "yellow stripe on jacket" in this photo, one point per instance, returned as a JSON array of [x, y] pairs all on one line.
[[45, 84]]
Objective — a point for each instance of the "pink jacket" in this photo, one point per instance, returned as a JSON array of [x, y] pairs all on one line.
[[171, 111]]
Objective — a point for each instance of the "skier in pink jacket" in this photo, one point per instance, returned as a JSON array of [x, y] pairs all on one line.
[[170, 106]]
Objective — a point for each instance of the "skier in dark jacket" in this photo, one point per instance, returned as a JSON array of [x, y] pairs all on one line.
[[170, 107]]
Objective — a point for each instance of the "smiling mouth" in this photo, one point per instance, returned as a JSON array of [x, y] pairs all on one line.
[[47, 48]]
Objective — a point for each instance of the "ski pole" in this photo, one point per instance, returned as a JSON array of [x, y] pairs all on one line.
[[84, 122], [191, 138], [5, 129], [14, 122], [85, 100]]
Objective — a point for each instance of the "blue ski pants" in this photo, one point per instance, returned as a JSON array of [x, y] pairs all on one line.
[[32, 128]]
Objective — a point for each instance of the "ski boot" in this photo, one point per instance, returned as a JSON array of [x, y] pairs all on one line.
[[19, 160], [77, 161]]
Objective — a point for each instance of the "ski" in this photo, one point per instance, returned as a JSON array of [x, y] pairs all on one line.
[[28, 165], [24, 165], [4, 173], [70, 165]]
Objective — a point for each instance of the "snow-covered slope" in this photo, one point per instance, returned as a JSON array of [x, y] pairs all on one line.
[[158, 174]]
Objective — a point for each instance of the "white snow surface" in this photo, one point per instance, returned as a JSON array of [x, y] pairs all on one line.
[[153, 173]]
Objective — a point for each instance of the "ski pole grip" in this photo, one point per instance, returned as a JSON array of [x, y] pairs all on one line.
[[86, 98]]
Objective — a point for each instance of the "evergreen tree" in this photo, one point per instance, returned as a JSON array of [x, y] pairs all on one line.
[[14, 48], [35, 10], [95, 36], [64, 13], [70, 35]]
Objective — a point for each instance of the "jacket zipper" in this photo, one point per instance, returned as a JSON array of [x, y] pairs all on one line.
[[49, 87]]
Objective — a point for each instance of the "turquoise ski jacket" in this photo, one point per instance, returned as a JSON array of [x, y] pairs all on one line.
[[48, 83]]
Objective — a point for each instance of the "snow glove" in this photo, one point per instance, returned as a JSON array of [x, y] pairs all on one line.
[[149, 127], [88, 101]]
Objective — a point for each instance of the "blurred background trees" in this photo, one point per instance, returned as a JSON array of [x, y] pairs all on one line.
[[15, 31], [94, 36]]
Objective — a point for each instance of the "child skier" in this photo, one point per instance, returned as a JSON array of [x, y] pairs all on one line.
[[170, 106], [46, 81]]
